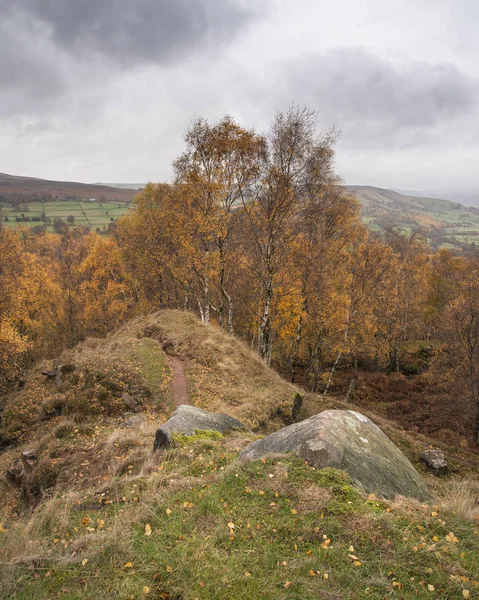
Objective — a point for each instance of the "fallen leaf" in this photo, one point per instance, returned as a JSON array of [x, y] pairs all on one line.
[[430, 587], [84, 562], [148, 529], [128, 565], [146, 590], [287, 585], [168, 511], [465, 593]]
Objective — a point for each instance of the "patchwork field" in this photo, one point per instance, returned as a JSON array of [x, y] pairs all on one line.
[[89, 214], [443, 223]]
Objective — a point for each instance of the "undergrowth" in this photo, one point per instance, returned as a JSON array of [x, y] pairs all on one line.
[[198, 524]]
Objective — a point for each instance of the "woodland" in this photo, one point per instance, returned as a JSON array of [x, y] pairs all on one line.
[[257, 234]]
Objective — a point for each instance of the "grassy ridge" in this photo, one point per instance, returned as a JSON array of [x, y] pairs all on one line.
[[200, 525], [101, 516]]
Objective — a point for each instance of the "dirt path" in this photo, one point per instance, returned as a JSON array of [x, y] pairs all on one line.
[[178, 385]]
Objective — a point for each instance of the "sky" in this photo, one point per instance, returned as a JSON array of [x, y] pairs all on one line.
[[104, 91]]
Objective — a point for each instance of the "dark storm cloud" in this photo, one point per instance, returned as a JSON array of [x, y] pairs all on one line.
[[373, 100], [52, 48], [135, 31]]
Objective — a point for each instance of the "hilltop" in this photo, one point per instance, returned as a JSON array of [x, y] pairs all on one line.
[[442, 222], [102, 516], [14, 188]]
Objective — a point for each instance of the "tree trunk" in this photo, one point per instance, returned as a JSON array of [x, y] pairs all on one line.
[[206, 301], [295, 353], [475, 398], [330, 378], [264, 333]]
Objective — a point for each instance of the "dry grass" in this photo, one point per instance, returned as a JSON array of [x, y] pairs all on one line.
[[224, 374], [461, 497], [312, 499]]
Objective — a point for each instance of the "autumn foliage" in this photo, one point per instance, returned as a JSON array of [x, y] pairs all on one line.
[[257, 234]]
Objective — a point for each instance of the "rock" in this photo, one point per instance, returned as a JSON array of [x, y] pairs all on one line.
[[130, 402], [187, 419], [48, 414], [134, 421], [15, 473], [50, 374], [20, 467], [346, 440], [29, 460], [434, 460]]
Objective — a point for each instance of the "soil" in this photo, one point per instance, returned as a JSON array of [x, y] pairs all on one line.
[[179, 384]]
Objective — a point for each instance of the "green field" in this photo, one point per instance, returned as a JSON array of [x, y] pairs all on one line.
[[443, 223], [88, 214]]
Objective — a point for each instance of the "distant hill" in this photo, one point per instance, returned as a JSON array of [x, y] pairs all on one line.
[[127, 186], [14, 188], [468, 198], [443, 222]]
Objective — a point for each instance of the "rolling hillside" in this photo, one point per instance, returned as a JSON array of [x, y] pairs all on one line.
[[30, 188], [442, 222]]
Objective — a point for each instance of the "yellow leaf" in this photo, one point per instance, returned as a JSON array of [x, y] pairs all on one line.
[[231, 525], [312, 573], [56, 540], [168, 511], [430, 587], [128, 565], [84, 562], [451, 538], [2, 530], [357, 563], [294, 511], [326, 576], [465, 593], [148, 529], [435, 538], [146, 590], [247, 574], [287, 585], [351, 548], [169, 569]]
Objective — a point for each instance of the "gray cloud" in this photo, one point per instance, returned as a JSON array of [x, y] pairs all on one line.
[[376, 101], [56, 51], [131, 32]]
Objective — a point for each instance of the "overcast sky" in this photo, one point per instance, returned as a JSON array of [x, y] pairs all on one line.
[[102, 90]]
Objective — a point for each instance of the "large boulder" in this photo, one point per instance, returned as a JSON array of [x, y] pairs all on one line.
[[188, 419], [347, 440]]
